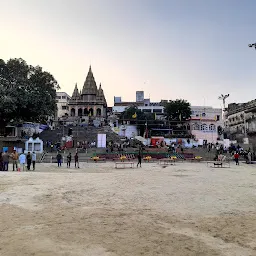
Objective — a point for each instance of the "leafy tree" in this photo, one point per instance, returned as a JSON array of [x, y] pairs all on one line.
[[177, 110], [136, 116], [27, 93]]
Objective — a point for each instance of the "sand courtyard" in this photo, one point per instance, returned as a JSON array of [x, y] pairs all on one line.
[[184, 210]]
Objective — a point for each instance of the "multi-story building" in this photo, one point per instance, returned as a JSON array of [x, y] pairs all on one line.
[[62, 100], [143, 104], [241, 121], [206, 123]]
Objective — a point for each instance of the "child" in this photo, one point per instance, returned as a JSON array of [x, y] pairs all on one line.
[[236, 156]]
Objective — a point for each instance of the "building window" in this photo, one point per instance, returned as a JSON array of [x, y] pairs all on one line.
[[157, 110], [204, 127], [73, 112], [58, 97], [218, 118], [212, 127], [64, 107], [196, 126], [203, 114], [63, 97]]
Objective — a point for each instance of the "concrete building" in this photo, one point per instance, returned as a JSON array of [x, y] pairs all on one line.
[[206, 123], [240, 121], [145, 105], [62, 100], [90, 101]]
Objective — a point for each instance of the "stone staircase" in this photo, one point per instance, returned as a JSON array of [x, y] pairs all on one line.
[[203, 152], [79, 133]]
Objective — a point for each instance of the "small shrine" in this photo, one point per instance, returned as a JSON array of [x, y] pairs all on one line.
[[34, 145]]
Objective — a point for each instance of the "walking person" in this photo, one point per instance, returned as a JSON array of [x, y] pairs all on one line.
[[22, 160], [59, 158], [68, 160], [236, 156], [139, 159], [1, 161], [14, 157], [33, 160], [76, 160], [29, 161], [6, 157]]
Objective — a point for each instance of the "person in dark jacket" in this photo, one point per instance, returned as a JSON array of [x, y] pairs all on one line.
[[139, 158], [76, 160], [59, 158], [1, 162], [6, 157], [68, 160], [29, 161]]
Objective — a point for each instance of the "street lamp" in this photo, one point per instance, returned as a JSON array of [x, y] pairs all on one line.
[[223, 98]]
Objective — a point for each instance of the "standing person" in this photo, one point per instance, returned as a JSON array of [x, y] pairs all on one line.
[[68, 160], [22, 160], [59, 158], [6, 157], [1, 161], [139, 159], [34, 160], [29, 161], [236, 156], [249, 157], [14, 157], [76, 160]]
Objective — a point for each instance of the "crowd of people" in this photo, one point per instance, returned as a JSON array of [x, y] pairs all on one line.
[[19, 161]]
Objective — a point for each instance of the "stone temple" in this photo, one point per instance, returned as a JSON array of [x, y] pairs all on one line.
[[90, 101]]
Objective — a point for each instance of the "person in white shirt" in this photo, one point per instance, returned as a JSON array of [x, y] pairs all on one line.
[[22, 160]]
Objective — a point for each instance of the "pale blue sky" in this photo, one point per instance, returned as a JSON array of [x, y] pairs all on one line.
[[191, 49]]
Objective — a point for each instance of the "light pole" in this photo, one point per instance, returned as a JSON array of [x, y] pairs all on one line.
[[223, 98]]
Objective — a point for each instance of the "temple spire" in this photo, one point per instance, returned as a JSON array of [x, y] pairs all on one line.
[[90, 86], [76, 93]]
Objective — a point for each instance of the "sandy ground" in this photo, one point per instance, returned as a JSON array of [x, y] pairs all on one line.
[[184, 210]]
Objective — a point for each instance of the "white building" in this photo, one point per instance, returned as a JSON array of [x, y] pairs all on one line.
[[62, 100], [141, 103], [204, 123], [152, 108]]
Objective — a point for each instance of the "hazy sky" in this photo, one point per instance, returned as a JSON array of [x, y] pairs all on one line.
[[191, 49]]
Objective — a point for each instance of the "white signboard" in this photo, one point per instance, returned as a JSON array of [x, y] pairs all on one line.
[[102, 141]]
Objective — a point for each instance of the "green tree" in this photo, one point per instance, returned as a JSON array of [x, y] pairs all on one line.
[[136, 116], [177, 110], [27, 93]]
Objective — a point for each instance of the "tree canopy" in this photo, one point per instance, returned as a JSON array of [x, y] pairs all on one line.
[[27, 93], [178, 110]]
